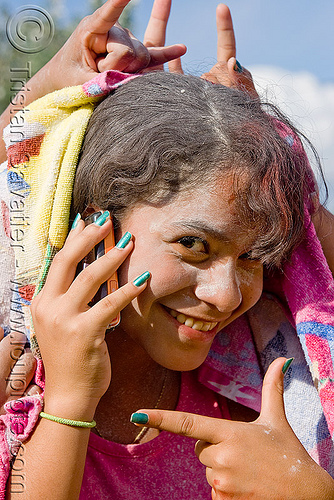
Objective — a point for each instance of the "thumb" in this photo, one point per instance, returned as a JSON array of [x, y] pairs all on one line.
[[272, 405]]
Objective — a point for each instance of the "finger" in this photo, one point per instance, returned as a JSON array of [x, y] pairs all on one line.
[[226, 47], [155, 34], [136, 55], [222, 486], [78, 225], [240, 78], [77, 246], [175, 66], [200, 446], [87, 283], [219, 74], [130, 59], [11, 348], [214, 495], [21, 376], [272, 405], [119, 50], [161, 55], [1, 333], [33, 389], [216, 455], [102, 313], [211, 430], [106, 16], [119, 58], [119, 36], [142, 57]]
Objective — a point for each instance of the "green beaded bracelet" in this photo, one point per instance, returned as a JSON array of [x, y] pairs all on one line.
[[66, 421]]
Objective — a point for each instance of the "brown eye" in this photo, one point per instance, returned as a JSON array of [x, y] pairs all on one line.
[[246, 256], [194, 243]]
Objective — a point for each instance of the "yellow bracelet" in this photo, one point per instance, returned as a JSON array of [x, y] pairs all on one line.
[[66, 421]]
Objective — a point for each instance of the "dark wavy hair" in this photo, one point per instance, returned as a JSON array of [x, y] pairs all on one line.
[[163, 133]]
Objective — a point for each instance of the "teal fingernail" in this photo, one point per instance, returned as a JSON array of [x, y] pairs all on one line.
[[103, 217], [76, 220], [139, 418], [142, 278], [238, 67], [124, 240], [286, 365]]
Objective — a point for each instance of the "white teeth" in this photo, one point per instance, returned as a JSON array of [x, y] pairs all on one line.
[[181, 318], [191, 322]]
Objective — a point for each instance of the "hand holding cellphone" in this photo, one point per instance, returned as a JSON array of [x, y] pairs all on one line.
[[111, 285]]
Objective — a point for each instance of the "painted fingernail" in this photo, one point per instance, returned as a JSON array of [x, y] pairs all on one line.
[[238, 67], [139, 418], [141, 279], [286, 365], [124, 240], [103, 217], [76, 220]]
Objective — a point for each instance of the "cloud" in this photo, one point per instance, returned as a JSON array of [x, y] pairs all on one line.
[[310, 105]]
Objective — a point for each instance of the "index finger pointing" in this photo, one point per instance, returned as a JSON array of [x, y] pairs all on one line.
[[106, 16], [191, 425], [225, 34]]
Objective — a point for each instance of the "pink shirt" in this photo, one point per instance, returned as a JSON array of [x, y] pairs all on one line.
[[164, 468]]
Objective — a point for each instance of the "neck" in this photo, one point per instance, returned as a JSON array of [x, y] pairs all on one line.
[[137, 382]]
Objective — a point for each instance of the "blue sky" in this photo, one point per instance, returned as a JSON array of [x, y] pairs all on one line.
[[297, 35]]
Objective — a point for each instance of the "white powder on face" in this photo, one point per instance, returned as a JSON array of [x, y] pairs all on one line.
[[245, 276], [154, 227], [211, 290], [220, 282]]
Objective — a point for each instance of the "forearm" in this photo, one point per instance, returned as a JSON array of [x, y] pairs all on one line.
[[51, 463]]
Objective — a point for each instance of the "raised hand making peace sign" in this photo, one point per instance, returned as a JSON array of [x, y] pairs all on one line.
[[99, 43]]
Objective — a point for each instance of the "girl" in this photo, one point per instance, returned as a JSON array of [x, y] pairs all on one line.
[[195, 177], [149, 169]]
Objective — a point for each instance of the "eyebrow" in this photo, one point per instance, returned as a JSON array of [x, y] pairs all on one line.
[[199, 225]]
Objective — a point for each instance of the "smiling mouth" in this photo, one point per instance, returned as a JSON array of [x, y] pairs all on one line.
[[194, 323]]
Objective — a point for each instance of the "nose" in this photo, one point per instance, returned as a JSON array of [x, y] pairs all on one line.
[[219, 286]]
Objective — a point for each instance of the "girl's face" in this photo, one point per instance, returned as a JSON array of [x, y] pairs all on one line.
[[202, 277]]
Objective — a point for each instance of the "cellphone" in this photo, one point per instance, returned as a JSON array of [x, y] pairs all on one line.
[[111, 285]]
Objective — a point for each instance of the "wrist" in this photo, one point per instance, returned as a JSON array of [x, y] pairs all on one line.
[[83, 424], [72, 408]]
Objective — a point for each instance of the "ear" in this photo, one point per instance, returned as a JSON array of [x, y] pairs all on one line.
[[90, 209]]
